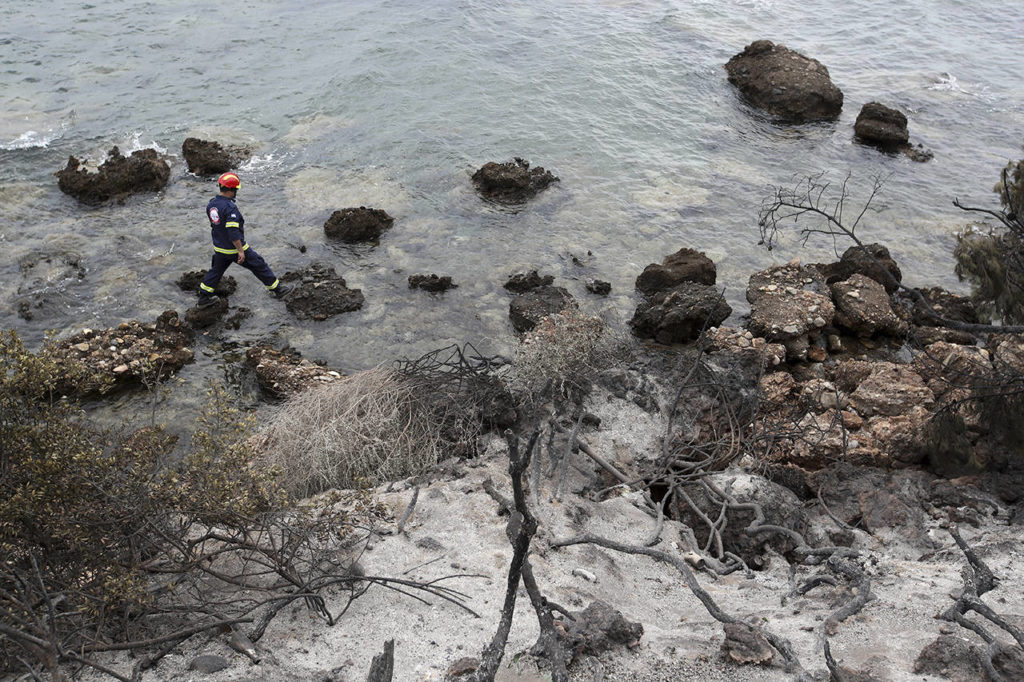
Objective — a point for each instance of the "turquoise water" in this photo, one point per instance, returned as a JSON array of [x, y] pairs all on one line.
[[394, 104]]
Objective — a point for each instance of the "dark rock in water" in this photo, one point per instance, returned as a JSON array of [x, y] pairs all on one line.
[[862, 307], [685, 265], [208, 663], [786, 84], [917, 153], [46, 276], [201, 318], [117, 177], [952, 658], [511, 182], [285, 373], [528, 308], [431, 282], [679, 314], [524, 281], [358, 224], [881, 126], [320, 293], [599, 287], [189, 282], [871, 260], [598, 628], [206, 157], [745, 645]]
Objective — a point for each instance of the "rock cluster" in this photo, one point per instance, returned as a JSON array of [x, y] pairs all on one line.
[[130, 352], [511, 182], [116, 178], [785, 83], [680, 298], [886, 128], [189, 282], [320, 293], [360, 224], [207, 157], [282, 374]]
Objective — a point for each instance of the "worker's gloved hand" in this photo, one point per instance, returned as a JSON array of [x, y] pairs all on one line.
[[241, 257]]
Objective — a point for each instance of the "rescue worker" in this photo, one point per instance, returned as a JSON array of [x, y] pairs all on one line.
[[227, 227]]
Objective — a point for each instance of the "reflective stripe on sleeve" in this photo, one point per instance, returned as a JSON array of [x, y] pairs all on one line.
[[232, 224]]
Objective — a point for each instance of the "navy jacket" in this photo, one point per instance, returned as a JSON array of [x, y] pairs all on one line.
[[226, 224]]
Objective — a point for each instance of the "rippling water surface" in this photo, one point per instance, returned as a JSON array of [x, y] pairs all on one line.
[[394, 104]]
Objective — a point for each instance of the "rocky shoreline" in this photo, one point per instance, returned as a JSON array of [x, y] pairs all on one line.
[[815, 491]]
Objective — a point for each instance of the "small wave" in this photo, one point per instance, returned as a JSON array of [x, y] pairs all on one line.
[[134, 143], [32, 138], [262, 164], [947, 82]]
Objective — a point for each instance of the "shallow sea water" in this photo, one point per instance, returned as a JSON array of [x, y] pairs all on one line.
[[395, 103]]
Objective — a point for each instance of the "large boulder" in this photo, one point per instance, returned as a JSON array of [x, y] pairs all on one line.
[[685, 265], [598, 628], [528, 308], [679, 314], [870, 260], [116, 178], [863, 308], [786, 84], [511, 182], [881, 126], [321, 293], [360, 224], [206, 157], [791, 305]]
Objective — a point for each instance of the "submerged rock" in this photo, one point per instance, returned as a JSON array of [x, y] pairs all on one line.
[[785, 83], [685, 265], [206, 157], [524, 281], [117, 177], [599, 287], [321, 293], [528, 308], [431, 282], [360, 224], [511, 182]]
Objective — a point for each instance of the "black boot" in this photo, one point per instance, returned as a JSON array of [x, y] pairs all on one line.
[[207, 299], [281, 291]]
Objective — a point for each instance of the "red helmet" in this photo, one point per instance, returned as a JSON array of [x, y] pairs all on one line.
[[229, 181]]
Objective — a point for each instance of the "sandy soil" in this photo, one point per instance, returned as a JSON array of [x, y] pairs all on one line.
[[456, 529]]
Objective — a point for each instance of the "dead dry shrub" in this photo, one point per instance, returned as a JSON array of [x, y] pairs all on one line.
[[371, 427], [566, 349]]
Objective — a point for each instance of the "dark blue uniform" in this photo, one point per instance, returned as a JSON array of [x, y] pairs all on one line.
[[226, 227]]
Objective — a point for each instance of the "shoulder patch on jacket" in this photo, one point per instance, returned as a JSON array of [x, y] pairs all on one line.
[[214, 215]]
